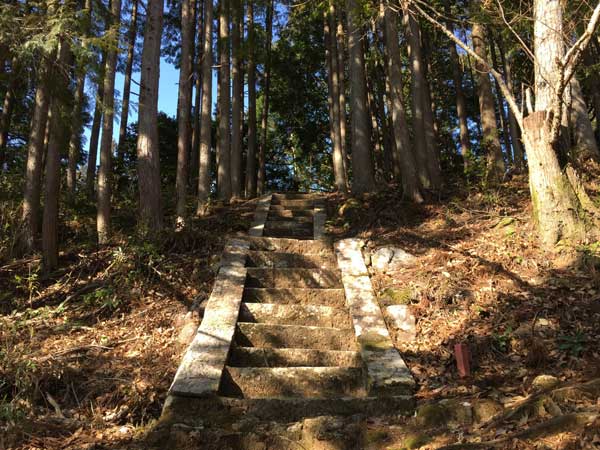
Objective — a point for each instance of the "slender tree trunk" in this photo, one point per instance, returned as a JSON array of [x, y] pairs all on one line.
[[500, 103], [7, 109], [56, 141], [106, 144], [184, 106], [341, 45], [151, 220], [491, 144], [224, 145], [251, 138], [265, 113], [404, 156], [95, 132], [583, 133], [195, 150], [35, 150], [237, 98], [206, 119], [333, 102], [518, 155], [131, 38], [76, 129], [362, 164], [461, 107]]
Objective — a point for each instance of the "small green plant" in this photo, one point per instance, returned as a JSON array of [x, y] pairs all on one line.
[[572, 344], [104, 297], [502, 341]]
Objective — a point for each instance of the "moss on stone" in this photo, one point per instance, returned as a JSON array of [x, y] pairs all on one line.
[[432, 415], [414, 440], [373, 342], [395, 296]]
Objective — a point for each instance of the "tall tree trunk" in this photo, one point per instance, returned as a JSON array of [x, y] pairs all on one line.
[[7, 109], [433, 157], [518, 156], [333, 101], [583, 133], [195, 150], [417, 86], [265, 113], [76, 129], [251, 138], [56, 141], [131, 38], [35, 150], [500, 103], [341, 45], [106, 144], [224, 143], [151, 220], [237, 98], [403, 157], [461, 107], [362, 164], [206, 119], [184, 106], [491, 143], [95, 132]]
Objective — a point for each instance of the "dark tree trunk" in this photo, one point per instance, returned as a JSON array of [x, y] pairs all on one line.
[[131, 38], [265, 115], [224, 141], [237, 98], [95, 132], [251, 138]]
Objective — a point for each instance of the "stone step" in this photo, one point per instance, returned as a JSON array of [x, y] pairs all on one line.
[[293, 196], [289, 225], [304, 382], [297, 296], [218, 410], [294, 336], [292, 278], [309, 210], [304, 234], [287, 260], [292, 357], [275, 217], [292, 203], [312, 315], [288, 245], [306, 214]]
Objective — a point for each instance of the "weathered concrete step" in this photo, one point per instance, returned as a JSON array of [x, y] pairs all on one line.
[[293, 203], [311, 315], [226, 409], [287, 260], [309, 210], [292, 357], [294, 196], [304, 214], [289, 245], [275, 217], [304, 382], [306, 234], [292, 278], [294, 336], [325, 297], [288, 225]]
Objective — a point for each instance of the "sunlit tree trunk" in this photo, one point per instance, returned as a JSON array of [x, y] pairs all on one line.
[[56, 141], [251, 138], [106, 144], [184, 106], [265, 113], [131, 38], [404, 156], [362, 164], [224, 141], [341, 46], [237, 98], [206, 119], [490, 143], [151, 220]]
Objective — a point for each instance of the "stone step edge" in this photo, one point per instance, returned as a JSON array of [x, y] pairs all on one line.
[[260, 216]]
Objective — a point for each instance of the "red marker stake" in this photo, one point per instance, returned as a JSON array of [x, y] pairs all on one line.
[[463, 359]]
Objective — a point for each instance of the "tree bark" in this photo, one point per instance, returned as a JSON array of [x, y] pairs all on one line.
[[195, 150], [56, 141], [184, 106], [237, 98], [131, 38], [341, 45], [206, 119], [585, 141], [106, 144], [7, 109], [403, 157], [506, 138], [76, 129], [151, 220], [251, 138], [224, 142], [333, 101], [362, 164], [35, 150], [95, 132], [265, 113], [491, 143]]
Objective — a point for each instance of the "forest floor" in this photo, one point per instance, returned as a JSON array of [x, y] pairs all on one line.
[[88, 353]]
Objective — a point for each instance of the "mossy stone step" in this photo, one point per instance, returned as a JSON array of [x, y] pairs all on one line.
[[292, 357], [295, 296], [292, 278], [283, 260], [311, 315]]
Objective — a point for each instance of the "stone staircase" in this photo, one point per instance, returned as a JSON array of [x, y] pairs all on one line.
[[282, 341]]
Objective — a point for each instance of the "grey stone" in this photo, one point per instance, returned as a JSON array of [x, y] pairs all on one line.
[[391, 258], [403, 320]]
